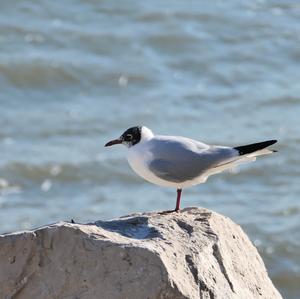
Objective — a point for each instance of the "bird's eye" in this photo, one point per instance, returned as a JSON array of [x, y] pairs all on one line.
[[129, 137]]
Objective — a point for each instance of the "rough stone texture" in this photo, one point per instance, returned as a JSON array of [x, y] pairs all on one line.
[[192, 254]]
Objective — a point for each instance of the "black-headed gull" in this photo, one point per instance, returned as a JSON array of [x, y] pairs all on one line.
[[179, 162]]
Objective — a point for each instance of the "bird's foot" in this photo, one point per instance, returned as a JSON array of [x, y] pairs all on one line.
[[72, 221], [168, 212]]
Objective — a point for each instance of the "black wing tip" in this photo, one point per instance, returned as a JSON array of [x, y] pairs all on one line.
[[250, 148], [273, 141]]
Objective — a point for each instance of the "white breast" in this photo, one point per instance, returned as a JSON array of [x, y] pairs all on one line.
[[138, 158]]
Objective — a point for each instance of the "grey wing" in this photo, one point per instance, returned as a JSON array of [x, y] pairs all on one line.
[[184, 159]]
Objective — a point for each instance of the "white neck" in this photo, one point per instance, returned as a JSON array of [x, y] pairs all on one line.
[[146, 134]]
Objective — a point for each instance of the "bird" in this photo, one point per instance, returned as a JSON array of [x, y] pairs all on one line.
[[180, 162]]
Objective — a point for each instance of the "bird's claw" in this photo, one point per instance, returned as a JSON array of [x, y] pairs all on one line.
[[168, 212]]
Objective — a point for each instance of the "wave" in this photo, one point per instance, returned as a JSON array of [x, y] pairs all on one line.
[[37, 73], [87, 172]]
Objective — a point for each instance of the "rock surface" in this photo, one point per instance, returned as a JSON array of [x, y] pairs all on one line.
[[192, 254]]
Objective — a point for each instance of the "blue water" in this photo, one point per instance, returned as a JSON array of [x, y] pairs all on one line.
[[75, 75]]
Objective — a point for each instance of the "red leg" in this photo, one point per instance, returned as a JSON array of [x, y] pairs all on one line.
[[178, 200], [177, 204]]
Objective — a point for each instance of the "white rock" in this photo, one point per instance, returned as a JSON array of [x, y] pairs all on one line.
[[192, 254]]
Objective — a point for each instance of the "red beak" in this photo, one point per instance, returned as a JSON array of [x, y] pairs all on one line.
[[116, 141]]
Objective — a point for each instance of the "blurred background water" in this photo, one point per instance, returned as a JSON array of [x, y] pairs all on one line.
[[75, 74]]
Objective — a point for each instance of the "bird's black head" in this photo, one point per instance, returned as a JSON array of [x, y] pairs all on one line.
[[132, 136], [129, 138]]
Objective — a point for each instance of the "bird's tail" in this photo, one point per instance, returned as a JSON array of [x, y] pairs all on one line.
[[256, 149], [247, 153]]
